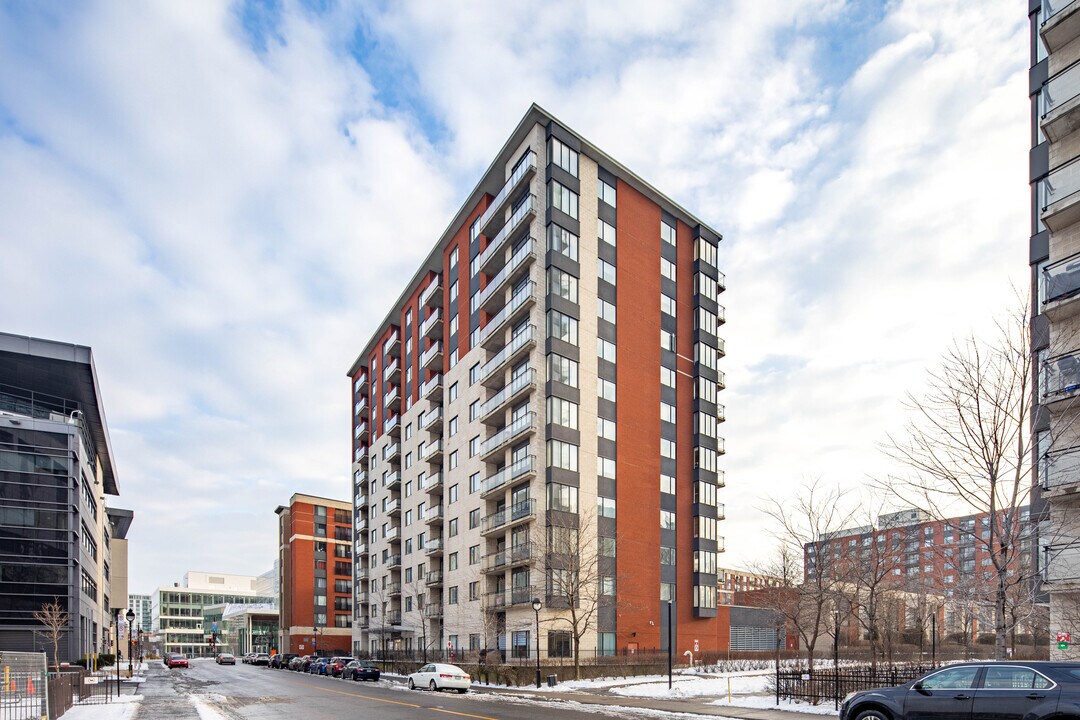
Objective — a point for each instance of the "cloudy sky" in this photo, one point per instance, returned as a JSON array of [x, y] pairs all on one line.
[[223, 198]]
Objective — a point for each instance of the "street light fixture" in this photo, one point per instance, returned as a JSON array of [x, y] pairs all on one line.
[[116, 650], [536, 609], [130, 618]]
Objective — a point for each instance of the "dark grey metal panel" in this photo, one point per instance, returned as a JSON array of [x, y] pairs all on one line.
[[566, 477], [668, 287], [557, 259], [554, 215], [668, 359], [606, 487], [606, 291], [705, 372], [1040, 247], [606, 526], [668, 252], [557, 302], [605, 330], [706, 269], [561, 347], [669, 466], [668, 431], [665, 608], [707, 303], [605, 618], [1039, 161], [605, 212], [559, 390], [1038, 75], [705, 441], [753, 617], [706, 337], [1042, 418], [708, 511], [704, 406], [605, 448], [1034, 6], [558, 432], [1040, 332], [668, 218], [565, 136], [605, 369], [605, 409], [668, 573], [668, 537], [668, 502], [606, 252], [706, 476], [669, 395], [704, 232], [608, 177], [704, 545], [557, 173]]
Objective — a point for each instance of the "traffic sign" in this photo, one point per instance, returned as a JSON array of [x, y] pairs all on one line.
[[1063, 645]]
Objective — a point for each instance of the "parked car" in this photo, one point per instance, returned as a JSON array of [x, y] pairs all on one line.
[[440, 676], [225, 659], [297, 662], [261, 659], [318, 666], [281, 660], [175, 660], [361, 670], [338, 664], [1029, 690], [305, 664]]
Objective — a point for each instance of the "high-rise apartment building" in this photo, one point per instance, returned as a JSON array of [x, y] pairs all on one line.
[[315, 560], [143, 607], [1054, 86], [536, 419], [59, 541]]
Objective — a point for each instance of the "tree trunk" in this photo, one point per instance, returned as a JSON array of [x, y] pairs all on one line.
[[1000, 633]]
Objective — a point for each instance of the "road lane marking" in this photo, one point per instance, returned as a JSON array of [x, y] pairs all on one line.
[[368, 697], [451, 712]]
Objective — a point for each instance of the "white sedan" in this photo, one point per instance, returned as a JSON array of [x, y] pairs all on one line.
[[439, 676]]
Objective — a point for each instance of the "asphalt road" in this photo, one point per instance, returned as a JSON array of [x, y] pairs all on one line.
[[245, 692]]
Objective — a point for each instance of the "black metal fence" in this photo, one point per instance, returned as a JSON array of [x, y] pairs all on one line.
[[831, 684]]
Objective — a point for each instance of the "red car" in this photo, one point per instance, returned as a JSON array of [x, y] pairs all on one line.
[[176, 660], [337, 665]]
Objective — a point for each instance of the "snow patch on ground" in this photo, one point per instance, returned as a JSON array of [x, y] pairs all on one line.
[[121, 708], [768, 702], [204, 705]]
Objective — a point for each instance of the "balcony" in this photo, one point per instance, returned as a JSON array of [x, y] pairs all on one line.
[[392, 453], [363, 622], [392, 426], [491, 298], [509, 517], [432, 327], [514, 596], [435, 577], [522, 172], [361, 525], [392, 399], [361, 500], [721, 413], [432, 295], [720, 544], [393, 534], [431, 359], [1061, 23], [392, 373], [1061, 564], [360, 387], [392, 481], [393, 508], [491, 334], [432, 420], [392, 346], [432, 389], [1060, 379], [434, 546], [433, 611], [522, 384], [721, 282], [1061, 103], [433, 452], [500, 561], [1061, 196], [361, 407], [434, 515], [363, 598], [721, 481], [721, 381], [394, 561], [503, 437], [1059, 471], [433, 484], [491, 259], [362, 549], [1061, 288], [363, 573], [491, 372], [519, 469], [720, 512]]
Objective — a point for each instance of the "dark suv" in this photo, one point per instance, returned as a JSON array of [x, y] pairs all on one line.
[[999, 690]]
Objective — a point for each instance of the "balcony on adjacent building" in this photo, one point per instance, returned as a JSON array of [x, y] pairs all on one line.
[[501, 599], [1060, 23], [431, 359], [392, 453], [433, 484], [491, 373], [392, 399], [393, 561], [393, 617], [393, 534], [1061, 104], [503, 437], [1060, 194], [432, 294], [491, 334], [432, 389], [1060, 380], [363, 598], [434, 515], [392, 373], [492, 297], [392, 346], [515, 556], [434, 577], [392, 481], [1060, 288], [361, 500], [494, 215], [360, 387], [393, 508], [392, 426], [720, 544], [433, 452], [721, 381], [433, 611], [524, 467], [1061, 564], [520, 385], [1059, 472], [432, 327], [361, 406], [720, 511], [363, 573], [362, 549], [361, 525], [432, 420], [494, 255], [516, 514], [721, 282], [434, 546]]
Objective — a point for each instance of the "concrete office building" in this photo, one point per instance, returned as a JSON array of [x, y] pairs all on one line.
[[316, 565], [1055, 272], [178, 609], [566, 299], [58, 540]]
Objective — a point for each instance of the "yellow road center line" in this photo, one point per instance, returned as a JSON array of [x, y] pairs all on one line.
[[382, 700], [451, 712]]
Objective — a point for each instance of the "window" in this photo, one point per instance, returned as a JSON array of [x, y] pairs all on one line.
[[408, 517], [563, 284], [667, 413], [605, 467], [605, 271], [453, 258], [706, 355], [453, 393], [605, 389], [562, 327], [705, 251], [452, 496], [667, 555], [474, 446], [607, 584], [562, 412], [562, 241], [667, 269], [667, 304], [563, 198], [705, 286], [451, 530], [454, 460], [453, 320], [962, 678], [453, 561], [562, 497], [667, 377], [563, 370], [474, 410], [667, 484], [562, 455], [667, 233], [605, 428], [474, 519], [605, 233], [606, 192], [408, 431], [667, 520], [474, 483], [667, 341], [706, 320], [605, 350], [452, 596], [562, 156], [408, 460], [474, 374], [607, 643], [560, 643], [606, 311], [474, 554], [605, 507], [607, 546], [519, 644], [667, 448], [474, 594], [667, 592]]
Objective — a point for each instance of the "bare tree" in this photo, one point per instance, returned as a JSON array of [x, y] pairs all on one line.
[[55, 619], [968, 447], [419, 618], [575, 579], [805, 526]]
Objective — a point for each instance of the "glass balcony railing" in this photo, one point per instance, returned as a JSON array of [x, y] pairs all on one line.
[[522, 296], [1050, 8], [1061, 280], [516, 385], [1060, 468], [1062, 88], [499, 359], [393, 534], [394, 506], [391, 450], [433, 545], [391, 397], [504, 558], [429, 387], [432, 450], [519, 511], [1061, 563], [508, 433], [429, 355], [394, 367], [428, 296], [508, 474], [431, 417], [1062, 183], [392, 344], [433, 483], [431, 323], [434, 513], [525, 252], [433, 611], [391, 423], [1060, 377], [434, 577], [498, 243], [524, 166]]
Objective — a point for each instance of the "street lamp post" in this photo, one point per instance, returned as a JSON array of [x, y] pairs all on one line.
[[116, 650], [536, 609], [130, 618], [315, 641]]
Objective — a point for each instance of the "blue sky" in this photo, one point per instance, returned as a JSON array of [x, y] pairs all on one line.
[[222, 199]]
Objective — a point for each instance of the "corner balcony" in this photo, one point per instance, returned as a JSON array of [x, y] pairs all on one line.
[[491, 372], [518, 387], [1061, 23], [392, 399], [432, 389], [432, 420], [492, 297], [431, 359], [432, 294], [433, 452], [1060, 380], [361, 407], [494, 255], [721, 413], [360, 387], [721, 282], [502, 599], [432, 327], [361, 525], [392, 481], [363, 573], [1061, 565], [361, 431], [1061, 288], [363, 598], [721, 381], [516, 429], [1061, 104], [1059, 473], [523, 171], [524, 467], [392, 373], [434, 546], [506, 518], [435, 577], [434, 515], [392, 346], [720, 544], [720, 511], [433, 611], [491, 337], [504, 559], [392, 426], [433, 484], [1061, 195]]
